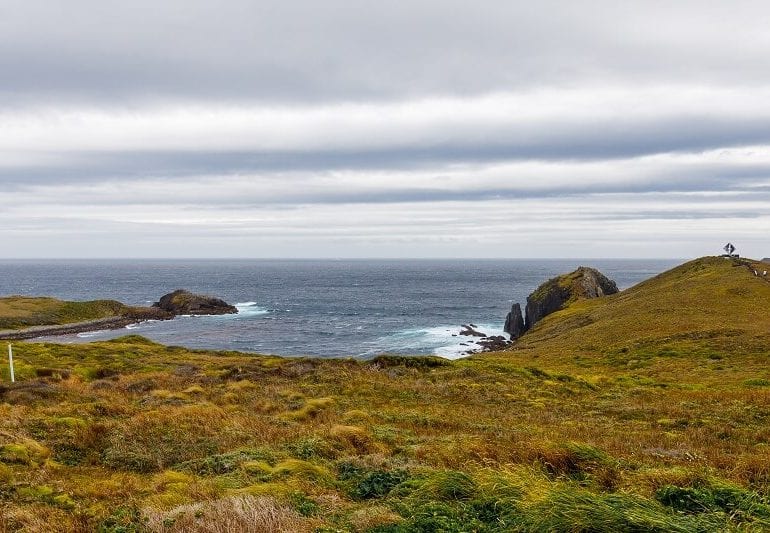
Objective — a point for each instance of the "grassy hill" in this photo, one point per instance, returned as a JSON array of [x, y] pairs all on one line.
[[710, 309], [18, 312], [644, 411]]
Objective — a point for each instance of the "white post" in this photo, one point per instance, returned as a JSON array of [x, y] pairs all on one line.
[[10, 362]]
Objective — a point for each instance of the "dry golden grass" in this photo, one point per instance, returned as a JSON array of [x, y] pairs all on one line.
[[236, 514]]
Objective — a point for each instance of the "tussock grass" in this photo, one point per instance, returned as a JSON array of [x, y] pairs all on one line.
[[312, 409], [237, 514], [353, 436]]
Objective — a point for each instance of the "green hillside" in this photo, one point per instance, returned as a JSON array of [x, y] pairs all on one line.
[[710, 309], [18, 312], [648, 410]]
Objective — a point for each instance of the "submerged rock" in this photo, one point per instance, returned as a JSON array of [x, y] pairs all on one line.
[[182, 302], [493, 343], [469, 331]]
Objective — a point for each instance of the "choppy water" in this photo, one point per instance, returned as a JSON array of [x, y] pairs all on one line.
[[306, 307]]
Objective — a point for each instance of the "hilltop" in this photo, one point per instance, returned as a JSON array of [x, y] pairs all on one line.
[[645, 410], [711, 307]]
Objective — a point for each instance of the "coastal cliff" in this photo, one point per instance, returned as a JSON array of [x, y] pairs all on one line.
[[553, 295]]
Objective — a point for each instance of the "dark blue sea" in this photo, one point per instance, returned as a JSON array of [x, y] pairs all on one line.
[[322, 308]]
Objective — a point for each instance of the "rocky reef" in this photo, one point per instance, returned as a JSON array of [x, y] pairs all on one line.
[[182, 302], [555, 294]]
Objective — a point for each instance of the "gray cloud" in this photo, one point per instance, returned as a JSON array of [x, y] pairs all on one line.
[[372, 128], [338, 50], [565, 143]]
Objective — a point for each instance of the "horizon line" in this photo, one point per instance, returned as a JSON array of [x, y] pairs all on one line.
[[374, 258]]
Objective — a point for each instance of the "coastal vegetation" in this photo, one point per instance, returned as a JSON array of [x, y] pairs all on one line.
[[18, 312], [24, 317], [646, 410]]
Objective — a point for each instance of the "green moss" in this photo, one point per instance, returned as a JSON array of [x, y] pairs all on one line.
[[757, 382], [28, 452], [297, 467]]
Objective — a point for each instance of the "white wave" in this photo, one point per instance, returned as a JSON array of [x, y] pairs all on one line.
[[444, 341], [250, 309], [132, 326], [89, 334]]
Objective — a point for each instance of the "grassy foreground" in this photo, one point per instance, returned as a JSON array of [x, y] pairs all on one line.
[[648, 410]]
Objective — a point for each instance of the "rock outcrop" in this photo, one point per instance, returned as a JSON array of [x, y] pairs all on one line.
[[555, 294], [181, 302], [514, 322]]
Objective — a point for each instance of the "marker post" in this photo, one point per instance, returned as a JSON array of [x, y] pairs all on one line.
[[10, 362]]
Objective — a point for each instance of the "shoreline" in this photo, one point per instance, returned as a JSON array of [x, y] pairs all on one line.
[[33, 332]]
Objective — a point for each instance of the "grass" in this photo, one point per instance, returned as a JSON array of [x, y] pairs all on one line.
[[651, 416], [18, 312]]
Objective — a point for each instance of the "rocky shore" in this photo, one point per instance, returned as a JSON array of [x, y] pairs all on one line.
[[482, 342], [67, 329], [179, 302]]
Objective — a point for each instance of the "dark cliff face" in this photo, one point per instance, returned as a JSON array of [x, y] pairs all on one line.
[[554, 294], [548, 298], [181, 302], [514, 322]]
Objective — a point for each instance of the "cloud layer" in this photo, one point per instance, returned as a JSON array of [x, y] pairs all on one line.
[[306, 129]]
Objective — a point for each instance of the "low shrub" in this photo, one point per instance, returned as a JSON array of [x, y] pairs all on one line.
[[740, 504], [154, 440], [224, 463], [377, 484], [422, 362], [571, 508]]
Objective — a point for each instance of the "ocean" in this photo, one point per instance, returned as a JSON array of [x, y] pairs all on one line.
[[324, 308]]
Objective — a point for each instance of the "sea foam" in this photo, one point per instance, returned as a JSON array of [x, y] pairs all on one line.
[[246, 309], [444, 341]]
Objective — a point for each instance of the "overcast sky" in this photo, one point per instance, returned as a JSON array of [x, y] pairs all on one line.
[[361, 128]]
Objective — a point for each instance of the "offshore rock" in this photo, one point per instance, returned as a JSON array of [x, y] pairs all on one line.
[[469, 331], [182, 302], [514, 322]]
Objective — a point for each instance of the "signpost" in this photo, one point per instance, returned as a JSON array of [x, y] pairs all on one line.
[[10, 362]]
